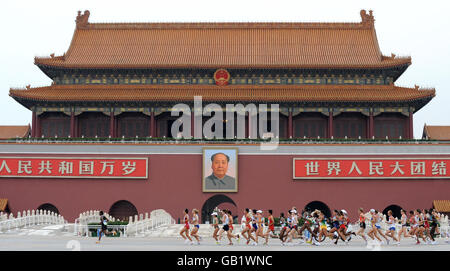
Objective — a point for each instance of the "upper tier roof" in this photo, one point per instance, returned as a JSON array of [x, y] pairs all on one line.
[[224, 45]]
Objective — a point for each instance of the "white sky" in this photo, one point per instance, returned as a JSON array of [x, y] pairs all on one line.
[[416, 28]]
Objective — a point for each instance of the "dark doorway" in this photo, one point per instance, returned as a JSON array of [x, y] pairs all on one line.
[[220, 201], [48, 207], [122, 210], [313, 205], [396, 210]]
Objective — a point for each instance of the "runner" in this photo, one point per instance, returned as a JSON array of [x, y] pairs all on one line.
[[391, 227], [348, 230], [288, 228], [426, 224], [271, 225], [293, 222], [283, 227], [215, 225], [246, 232], [307, 225], [254, 226], [231, 228], [104, 227], [362, 224], [225, 226], [434, 225], [334, 225], [323, 228], [342, 227], [373, 233], [260, 224], [196, 226], [420, 227], [403, 220], [185, 230]]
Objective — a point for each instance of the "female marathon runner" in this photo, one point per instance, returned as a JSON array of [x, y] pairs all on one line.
[[230, 232], [403, 230], [362, 224], [271, 225], [373, 233], [391, 227], [283, 227], [196, 226], [225, 226], [185, 229], [215, 225]]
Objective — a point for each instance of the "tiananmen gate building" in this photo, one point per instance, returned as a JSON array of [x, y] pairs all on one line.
[[101, 132]]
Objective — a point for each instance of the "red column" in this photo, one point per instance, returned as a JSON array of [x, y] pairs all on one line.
[[371, 131], [249, 127], [247, 121], [330, 125], [150, 128], [152, 125], [75, 132], [411, 127], [112, 128], [38, 127], [72, 125], [290, 125], [192, 123], [33, 124]]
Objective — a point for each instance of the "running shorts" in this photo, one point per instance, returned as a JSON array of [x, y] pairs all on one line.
[[362, 225], [226, 227]]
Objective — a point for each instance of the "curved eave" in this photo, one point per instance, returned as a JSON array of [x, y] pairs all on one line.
[[52, 63], [233, 94]]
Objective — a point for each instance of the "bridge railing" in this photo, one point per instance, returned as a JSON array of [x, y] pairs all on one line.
[[29, 218], [143, 224]]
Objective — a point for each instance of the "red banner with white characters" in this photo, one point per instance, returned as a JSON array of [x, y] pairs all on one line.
[[62, 167], [367, 168]]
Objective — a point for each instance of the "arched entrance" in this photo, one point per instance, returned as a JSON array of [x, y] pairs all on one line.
[[221, 202], [122, 210], [396, 210], [48, 207], [313, 205]]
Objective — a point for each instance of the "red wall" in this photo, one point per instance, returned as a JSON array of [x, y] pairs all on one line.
[[175, 183]]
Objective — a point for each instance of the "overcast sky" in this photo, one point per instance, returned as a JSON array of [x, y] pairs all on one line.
[[419, 29]]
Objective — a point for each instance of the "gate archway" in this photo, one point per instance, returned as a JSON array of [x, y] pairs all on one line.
[[396, 210], [49, 207], [220, 201], [122, 210], [313, 205]]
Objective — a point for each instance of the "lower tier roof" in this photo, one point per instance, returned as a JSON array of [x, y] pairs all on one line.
[[230, 93]]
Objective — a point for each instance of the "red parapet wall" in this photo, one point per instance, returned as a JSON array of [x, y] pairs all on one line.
[[175, 183]]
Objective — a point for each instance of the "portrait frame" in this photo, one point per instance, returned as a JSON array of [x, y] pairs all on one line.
[[207, 152]]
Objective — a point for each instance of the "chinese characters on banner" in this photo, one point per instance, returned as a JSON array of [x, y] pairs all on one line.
[[60, 167], [366, 168]]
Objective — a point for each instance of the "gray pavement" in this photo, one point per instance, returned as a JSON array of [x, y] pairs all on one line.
[[66, 243]]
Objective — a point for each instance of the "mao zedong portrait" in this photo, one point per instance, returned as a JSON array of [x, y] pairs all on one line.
[[219, 180]]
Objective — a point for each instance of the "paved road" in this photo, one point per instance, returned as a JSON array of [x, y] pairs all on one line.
[[64, 243]]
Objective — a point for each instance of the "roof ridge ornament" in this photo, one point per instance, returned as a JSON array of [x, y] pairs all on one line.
[[367, 19], [82, 20]]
